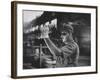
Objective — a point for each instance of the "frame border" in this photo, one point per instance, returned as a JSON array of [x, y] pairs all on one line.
[[14, 37]]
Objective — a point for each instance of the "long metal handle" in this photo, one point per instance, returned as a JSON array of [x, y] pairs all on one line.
[[40, 55]]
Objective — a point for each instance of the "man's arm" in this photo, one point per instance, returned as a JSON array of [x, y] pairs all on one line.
[[45, 35], [52, 47]]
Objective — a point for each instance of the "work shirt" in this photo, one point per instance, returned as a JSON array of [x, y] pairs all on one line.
[[69, 55]]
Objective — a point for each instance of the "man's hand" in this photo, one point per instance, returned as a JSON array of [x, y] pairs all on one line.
[[44, 31]]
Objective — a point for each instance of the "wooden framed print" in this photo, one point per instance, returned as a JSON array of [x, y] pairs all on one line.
[[53, 39]]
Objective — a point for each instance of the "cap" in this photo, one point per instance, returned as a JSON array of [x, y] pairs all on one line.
[[67, 27]]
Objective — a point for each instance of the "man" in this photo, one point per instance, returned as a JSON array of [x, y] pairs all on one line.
[[66, 55]]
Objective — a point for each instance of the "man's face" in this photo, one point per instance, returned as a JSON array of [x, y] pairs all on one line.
[[64, 35]]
